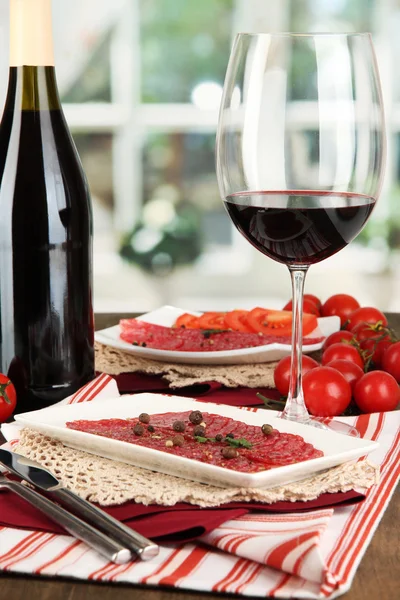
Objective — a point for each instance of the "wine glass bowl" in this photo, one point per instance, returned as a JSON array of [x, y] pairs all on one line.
[[300, 154]]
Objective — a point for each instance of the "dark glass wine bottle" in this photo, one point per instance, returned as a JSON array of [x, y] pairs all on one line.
[[46, 315]]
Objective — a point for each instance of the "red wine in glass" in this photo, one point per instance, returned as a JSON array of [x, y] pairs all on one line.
[[299, 227]]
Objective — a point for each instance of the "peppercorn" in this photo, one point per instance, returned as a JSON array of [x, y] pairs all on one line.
[[199, 431], [150, 428], [230, 435], [219, 437], [178, 440], [144, 418], [267, 429], [229, 452], [195, 417], [178, 426], [138, 429]]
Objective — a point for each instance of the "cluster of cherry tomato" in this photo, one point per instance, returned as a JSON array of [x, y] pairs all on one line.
[[359, 365]]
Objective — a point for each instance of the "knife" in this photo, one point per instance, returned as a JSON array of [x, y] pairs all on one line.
[[34, 473], [106, 546]]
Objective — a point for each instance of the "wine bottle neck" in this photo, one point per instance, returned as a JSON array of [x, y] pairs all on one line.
[[31, 39], [32, 88]]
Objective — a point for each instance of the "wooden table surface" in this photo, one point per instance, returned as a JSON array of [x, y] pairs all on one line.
[[377, 578]]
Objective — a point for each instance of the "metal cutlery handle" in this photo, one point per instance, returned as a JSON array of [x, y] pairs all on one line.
[[137, 543], [109, 548]]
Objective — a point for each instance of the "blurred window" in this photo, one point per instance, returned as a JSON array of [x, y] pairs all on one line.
[[141, 85]]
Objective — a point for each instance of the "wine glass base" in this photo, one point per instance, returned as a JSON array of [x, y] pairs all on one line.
[[336, 426]]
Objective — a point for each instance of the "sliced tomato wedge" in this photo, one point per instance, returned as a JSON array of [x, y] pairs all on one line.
[[237, 321], [187, 320], [269, 321], [211, 320]]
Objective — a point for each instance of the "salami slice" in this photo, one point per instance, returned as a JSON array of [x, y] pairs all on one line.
[[258, 451], [144, 334]]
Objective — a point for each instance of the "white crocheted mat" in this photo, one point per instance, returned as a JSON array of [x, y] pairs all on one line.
[[113, 362], [109, 483]]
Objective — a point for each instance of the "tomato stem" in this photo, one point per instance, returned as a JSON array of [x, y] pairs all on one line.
[[269, 401], [3, 391]]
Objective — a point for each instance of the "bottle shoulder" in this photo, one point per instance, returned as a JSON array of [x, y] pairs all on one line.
[[37, 150]]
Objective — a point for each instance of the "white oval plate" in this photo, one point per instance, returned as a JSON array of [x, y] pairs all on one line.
[[167, 315], [337, 448]]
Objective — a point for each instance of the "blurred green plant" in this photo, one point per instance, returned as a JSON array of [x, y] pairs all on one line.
[[166, 237]]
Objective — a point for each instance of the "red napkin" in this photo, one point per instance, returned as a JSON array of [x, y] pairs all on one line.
[[181, 522], [209, 391]]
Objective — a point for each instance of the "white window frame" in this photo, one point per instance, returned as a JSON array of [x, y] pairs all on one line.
[[129, 120]]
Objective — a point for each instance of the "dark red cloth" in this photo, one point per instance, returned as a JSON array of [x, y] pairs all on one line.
[[182, 522], [209, 391]]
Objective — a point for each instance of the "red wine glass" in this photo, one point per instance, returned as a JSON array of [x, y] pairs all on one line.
[[300, 156]]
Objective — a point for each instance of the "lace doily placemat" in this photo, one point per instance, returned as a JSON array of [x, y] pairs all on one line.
[[113, 362], [109, 483]]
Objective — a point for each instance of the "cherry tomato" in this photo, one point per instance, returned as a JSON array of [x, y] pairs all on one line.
[[237, 320], [211, 320], [338, 337], [309, 307], [282, 372], [340, 305], [314, 299], [8, 398], [350, 371], [365, 331], [278, 322], [377, 391], [186, 320], [326, 392], [391, 361], [342, 352], [366, 314]]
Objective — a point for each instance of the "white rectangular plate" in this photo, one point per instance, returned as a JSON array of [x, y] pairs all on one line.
[[167, 315], [337, 448]]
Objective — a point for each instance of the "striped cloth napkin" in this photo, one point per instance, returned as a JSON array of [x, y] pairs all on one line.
[[306, 555]]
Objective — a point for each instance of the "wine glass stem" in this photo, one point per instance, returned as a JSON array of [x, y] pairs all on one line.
[[295, 408]]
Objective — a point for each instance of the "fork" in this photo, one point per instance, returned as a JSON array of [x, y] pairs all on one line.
[[109, 548]]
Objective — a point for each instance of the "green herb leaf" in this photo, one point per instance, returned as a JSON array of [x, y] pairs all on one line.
[[208, 332], [235, 443], [238, 442]]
